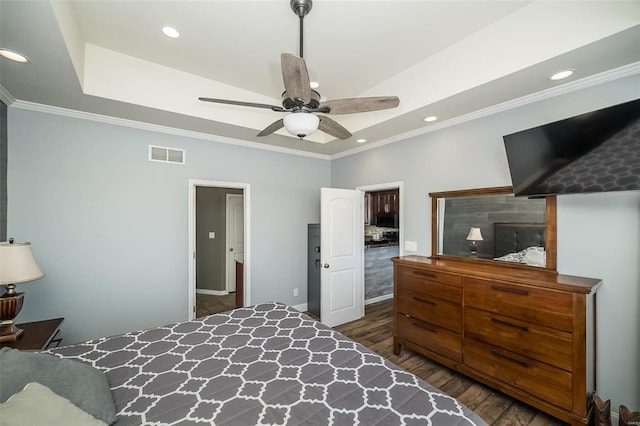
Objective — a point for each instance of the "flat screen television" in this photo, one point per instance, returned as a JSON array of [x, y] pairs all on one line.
[[594, 152]]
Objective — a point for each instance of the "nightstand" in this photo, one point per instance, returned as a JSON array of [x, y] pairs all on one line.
[[38, 335]]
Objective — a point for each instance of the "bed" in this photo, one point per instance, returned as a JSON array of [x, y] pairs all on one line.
[[520, 242], [259, 365]]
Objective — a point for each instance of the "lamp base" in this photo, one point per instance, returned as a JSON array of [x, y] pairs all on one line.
[[10, 306], [9, 332], [474, 249]]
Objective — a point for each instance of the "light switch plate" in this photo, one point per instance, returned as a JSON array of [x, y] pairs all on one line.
[[212, 235], [411, 245]]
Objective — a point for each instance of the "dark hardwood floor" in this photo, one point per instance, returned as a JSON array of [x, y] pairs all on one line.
[[207, 304], [375, 331]]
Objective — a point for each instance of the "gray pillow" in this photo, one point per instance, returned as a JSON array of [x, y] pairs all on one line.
[[82, 384]]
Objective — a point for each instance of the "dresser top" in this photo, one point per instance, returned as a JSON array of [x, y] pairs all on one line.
[[500, 270]]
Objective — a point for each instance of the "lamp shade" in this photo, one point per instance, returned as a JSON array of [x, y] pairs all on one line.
[[17, 263], [301, 124], [474, 234]]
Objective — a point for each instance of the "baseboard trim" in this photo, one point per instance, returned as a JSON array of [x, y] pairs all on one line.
[[211, 292], [304, 306], [301, 307], [378, 299]]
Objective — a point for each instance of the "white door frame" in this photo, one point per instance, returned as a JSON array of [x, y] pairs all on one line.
[[385, 186], [230, 272], [191, 254]]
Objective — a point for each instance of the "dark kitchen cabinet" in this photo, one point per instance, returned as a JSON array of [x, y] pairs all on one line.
[[368, 211], [384, 202]]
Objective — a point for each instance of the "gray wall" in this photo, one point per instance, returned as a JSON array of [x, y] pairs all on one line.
[[598, 234], [211, 253], [110, 229]]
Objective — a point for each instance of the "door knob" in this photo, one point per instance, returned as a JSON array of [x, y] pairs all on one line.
[[231, 249], [326, 265]]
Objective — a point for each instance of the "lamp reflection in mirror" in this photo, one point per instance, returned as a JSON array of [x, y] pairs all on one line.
[[301, 123], [474, 235], [17, 265]]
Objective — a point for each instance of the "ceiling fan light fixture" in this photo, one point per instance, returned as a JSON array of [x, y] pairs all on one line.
[[301, 124], [314, 84]]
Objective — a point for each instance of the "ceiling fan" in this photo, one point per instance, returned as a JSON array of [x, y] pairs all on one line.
[[303, 103]]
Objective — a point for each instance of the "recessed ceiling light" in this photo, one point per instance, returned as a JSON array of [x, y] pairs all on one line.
[[361, 140], [315, 84], [13, 55], [170, 32], [562, 74], [430, 118]]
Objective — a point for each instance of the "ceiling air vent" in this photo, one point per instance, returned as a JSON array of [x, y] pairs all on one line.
[[166, 155]]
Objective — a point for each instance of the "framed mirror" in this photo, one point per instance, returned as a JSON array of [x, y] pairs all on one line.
[[492, 225]]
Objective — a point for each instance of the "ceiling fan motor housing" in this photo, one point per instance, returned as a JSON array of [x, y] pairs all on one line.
[[288, 103]]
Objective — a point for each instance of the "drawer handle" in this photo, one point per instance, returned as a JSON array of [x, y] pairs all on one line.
[[419, 299], [511, 290], [508, 358], [508, 324], [425, 327], [425, 274]]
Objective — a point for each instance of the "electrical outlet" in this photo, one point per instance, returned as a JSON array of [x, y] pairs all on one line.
[[411, 245], [295, 292]]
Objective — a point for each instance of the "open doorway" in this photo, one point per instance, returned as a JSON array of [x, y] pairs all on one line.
[[218, 247], [384, 238]]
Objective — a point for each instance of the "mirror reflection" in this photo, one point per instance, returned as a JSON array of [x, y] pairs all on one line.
[[493, 224]]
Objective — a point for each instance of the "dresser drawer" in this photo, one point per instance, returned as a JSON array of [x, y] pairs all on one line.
[[430, 309], [436, 339], [433, 284], [542, 380], [545, 307], [544, 344]]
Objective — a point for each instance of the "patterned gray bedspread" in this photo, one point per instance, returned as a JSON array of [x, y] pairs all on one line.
[[262, 365]]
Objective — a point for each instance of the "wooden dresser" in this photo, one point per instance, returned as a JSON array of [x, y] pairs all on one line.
[[528, 333]]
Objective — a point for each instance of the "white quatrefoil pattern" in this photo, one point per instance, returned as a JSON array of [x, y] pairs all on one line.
[[266, 364]]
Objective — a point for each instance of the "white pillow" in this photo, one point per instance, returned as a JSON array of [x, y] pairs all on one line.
[[37, 405], [535, 256]]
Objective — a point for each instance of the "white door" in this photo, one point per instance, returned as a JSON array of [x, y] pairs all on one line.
[[235, 237], [341, 249]]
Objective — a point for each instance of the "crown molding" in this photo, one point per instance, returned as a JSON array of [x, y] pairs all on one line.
[[5, 96], [584, 83], [48, 109]]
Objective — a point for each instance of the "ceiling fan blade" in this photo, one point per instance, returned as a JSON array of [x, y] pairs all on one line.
[[296, 78], [241, 103], [331, 127], [352, 105], [275, 126]]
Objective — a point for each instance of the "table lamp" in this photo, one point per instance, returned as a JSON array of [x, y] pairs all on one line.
[[17, 265], [474, 235]]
